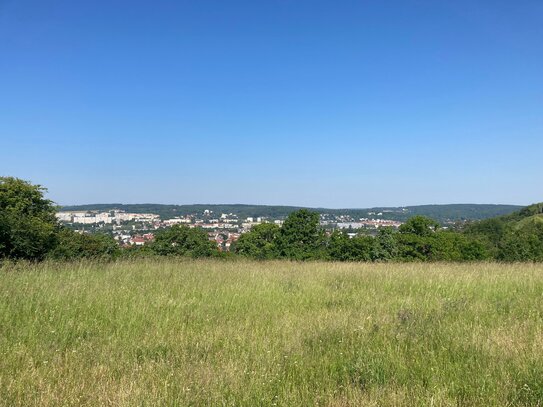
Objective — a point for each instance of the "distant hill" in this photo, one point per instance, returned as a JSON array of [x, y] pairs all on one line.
[[525, 216], [529, 213], [442, 213], [517, 236]]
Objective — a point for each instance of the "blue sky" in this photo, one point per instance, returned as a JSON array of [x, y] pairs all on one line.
[[316, 103]]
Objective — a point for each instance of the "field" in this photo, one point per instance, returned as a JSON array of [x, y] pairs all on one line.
[[178, 333]]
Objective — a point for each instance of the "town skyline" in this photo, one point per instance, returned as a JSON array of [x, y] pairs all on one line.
[[136, 225]]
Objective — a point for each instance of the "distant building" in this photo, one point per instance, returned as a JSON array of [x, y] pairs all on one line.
[[137, 240], [140, 240], [64, 216]]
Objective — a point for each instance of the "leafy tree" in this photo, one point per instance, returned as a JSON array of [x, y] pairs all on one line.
[[522, 244], [260, 242], [27, 220], [73, 245], [419, 225], [385, 247], [338, 246], [439, 246], [301, 238], [474, 249], [489, 232], [412, 246], [180, 240], [514, 237], [452, 246], [341, 247], [361, 248]]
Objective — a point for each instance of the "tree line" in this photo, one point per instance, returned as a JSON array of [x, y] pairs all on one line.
[[301, 238], [29, 230], [441, 213]]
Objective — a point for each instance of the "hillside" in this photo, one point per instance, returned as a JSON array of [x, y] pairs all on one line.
[[524, 216], [442, 213], [517, 236], [534, 211]]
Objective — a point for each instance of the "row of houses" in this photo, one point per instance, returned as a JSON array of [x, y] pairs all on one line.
[[135, 240], [223, 240]]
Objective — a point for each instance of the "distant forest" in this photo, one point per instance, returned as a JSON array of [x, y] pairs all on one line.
[[441, 213]]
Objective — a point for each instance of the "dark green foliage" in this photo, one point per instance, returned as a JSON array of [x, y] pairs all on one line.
[[489, 231], [522, 244], [385, 247], [439, 246], [71, 245], [415, 247], [301, 238], [472, 249], [27, 220], [260, 242], [417, 239], [452, 246], [420, 226], [181, 240], [343, 248], [514, 237]]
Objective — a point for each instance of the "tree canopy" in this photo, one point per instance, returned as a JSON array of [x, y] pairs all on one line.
[[27, 220], [300, 237], [180, 240], [260, 243]]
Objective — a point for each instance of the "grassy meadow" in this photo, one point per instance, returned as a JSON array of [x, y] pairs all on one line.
[[219, 333]]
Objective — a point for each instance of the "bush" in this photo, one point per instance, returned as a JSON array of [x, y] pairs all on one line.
[[260, 242], [71, 245], [28, 224], [343, 248], [301, 238], [180, 240]]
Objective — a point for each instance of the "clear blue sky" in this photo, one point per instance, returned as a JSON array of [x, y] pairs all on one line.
[[317, 103]]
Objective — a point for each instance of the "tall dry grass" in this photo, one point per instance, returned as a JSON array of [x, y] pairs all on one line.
[[177, 333]]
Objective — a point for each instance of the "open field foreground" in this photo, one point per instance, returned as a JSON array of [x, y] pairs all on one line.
[[177, 333]]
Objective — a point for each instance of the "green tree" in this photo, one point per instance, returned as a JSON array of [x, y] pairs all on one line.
[[180, 240], [419, 225], [342, 247], [522, 244], [301, 238], [442, 245], [490, 232], [72, 245], [260, 242], [412, 246], [385, 246], [27, 220], [453, 246]]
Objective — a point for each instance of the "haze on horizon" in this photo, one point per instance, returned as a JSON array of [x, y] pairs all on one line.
[[311, 103]]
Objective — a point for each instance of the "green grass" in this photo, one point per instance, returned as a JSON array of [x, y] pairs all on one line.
[[177, 333]]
